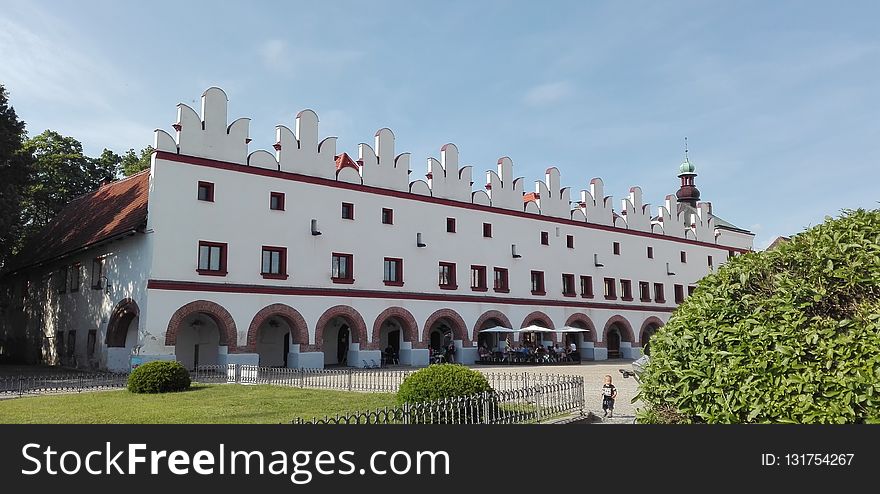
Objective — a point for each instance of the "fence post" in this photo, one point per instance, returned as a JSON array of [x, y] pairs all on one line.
[[485, 409], [538, 403], [81, 384], [20, 385], [350, 372], [525, 379], [302, 377]]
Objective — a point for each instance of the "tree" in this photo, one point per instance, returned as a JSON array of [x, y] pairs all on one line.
[[16, 169], [787, 335], [132, 163]]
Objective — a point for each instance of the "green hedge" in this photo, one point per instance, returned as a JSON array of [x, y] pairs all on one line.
[[159, 377], [440, 381], [790, 335]]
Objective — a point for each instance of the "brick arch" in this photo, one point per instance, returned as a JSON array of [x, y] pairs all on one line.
[[487, 316], [410, 327], [544, 319], [357, 326], [117, 327], [299, 330], [220, 316], [586, 321], [625, 335], [459, 328], [648, 322]]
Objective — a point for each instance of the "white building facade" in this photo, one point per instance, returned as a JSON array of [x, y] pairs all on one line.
[[303, 257]]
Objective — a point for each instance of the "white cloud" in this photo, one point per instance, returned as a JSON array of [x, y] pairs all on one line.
[[549, 93]]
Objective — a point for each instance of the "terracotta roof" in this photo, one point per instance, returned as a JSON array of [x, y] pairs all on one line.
[[114, 209], [344, 160]]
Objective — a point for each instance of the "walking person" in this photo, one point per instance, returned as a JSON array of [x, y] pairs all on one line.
[[609, 394]]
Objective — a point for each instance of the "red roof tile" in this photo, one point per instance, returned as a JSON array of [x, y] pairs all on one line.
[[344, 160], [116, 208]]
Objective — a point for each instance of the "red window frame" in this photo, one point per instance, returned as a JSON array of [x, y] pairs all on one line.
[[679, 294], [450, 225], [451, 283], [711, 263], [347, 211], [569, 241], [610, 289], [626, 290], [587, 286], [387, 216], [399, 271], [569, 291], [545, 238], [209, 191], [222, 261], [478, 274], [659, 296], [487, 230], [615, 248], [282, 263], [504, 286], [650, 252], [537, 281], [644, 291], [277, 197], [684, 257], [349, 267]]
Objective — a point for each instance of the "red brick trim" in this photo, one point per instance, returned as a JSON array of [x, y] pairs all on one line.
[[120, 318], [220, 316], [296, 177], [459, 328], [625, 335], [649, 321], [355, 323], [488, 316], [299, 330], [586, 321], [409, 326], [545, 322]]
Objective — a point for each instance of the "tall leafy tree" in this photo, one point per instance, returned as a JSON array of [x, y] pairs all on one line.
[[133, 162], [15, 173]]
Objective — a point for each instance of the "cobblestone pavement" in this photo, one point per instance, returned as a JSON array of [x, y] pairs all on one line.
[[593, 374]]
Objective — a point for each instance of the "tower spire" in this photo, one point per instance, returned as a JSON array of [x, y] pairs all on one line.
[[688, 192]]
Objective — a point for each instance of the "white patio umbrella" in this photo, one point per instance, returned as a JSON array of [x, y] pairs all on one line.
[[498, 329], [570, 329], [535, 329]]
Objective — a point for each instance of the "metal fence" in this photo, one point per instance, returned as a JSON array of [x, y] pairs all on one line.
[[514, 406]]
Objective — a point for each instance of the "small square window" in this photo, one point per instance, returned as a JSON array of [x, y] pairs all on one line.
[[616, 248], [342, 268], [545, 238], [569, 241], [450, 225], [538, 283], [587, 286], [487, 230], [447, 276], [650, 252], [387, 216], [206, 191], [684, 256], [274, 265], [212, 259], [347, 211], [568, 285], [478, 278], [501, 284], [276, 201]]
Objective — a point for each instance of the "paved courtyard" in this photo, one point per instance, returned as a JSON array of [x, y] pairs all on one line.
[[593, 374]]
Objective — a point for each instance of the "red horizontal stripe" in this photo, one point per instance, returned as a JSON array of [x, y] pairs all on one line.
[[198, 286], [296, 177]]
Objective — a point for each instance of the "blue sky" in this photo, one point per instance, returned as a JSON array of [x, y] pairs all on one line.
[[780, 101]]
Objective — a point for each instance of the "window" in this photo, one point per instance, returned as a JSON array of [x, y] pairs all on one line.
[[545, 238], [538, 283], [97, 273], [59, 345], [206, 191], [626, 290], [658, 293], [616, 248], [691, 290], [342, 268], [501, 285], [387, 216], [75, 276], [644, 291], [450, 225], [212, 259], [587, 286], [447, 276], [569, 241], [347, 211], [71, 345], [610, 289], [650, 252], [393, 271], [478, 278], [61, 279], [679, 294], [710, 262], [93, 338], [568, 285], [684, 256], [487, 230], [276, 201], [274, 263]]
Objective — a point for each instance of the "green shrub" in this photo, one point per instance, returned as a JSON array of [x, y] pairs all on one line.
[[159, 377], [440, 381], [790, 335]]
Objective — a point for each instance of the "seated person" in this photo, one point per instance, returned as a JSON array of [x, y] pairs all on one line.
[[484, 352]]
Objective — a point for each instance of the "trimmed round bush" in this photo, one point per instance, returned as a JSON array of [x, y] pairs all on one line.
[[790, 335], [159, 377], [439, 381]]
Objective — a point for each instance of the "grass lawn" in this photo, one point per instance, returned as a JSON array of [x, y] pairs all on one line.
[[203, 404]]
